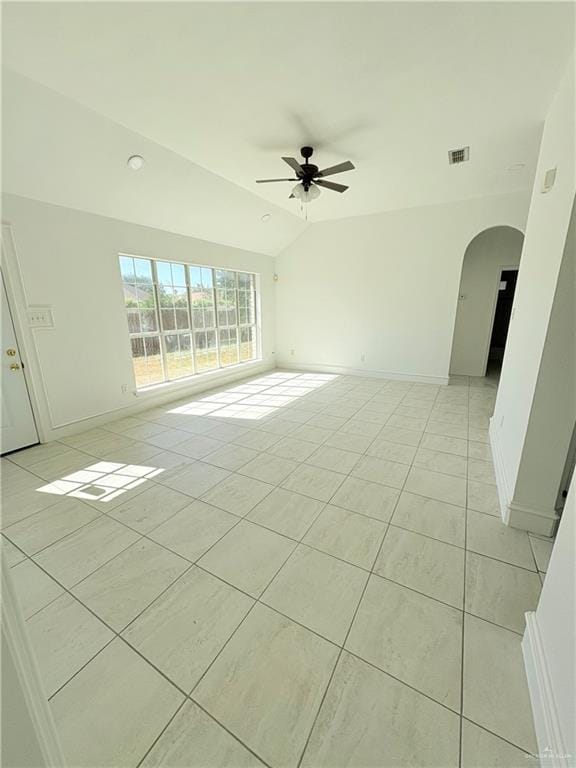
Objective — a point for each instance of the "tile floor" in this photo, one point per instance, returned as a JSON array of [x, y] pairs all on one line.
[[299, 569]]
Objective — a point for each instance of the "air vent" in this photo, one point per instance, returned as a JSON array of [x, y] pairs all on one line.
[[459, 155]]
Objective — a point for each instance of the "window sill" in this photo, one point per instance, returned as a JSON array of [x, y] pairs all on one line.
[[199, 380]]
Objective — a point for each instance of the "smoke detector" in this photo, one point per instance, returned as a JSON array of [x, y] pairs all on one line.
[[456, 156]]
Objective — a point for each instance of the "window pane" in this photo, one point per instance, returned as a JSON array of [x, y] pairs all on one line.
[[178, 277], [206, 352], [207, 281], [133, 320], [168, 320], [225, 279], [166, 294], [164, 273], [228, 347], [149, 320], [127, 269], [247, 343], [147, 360], [178, 355], [146, 298], [244, 280], [143, 270], [195, 278]]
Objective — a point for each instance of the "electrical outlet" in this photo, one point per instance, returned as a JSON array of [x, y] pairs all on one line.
[[124, 388]]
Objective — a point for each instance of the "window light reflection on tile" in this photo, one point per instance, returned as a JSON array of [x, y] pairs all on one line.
[[103, 481], [257, 399]]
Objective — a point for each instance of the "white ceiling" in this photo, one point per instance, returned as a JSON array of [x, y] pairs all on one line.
[[390, 86]]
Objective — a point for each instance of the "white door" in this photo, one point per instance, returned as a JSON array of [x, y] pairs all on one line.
[[18, 426]]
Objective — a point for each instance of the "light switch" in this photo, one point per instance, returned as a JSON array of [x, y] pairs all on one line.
[[40, 317]]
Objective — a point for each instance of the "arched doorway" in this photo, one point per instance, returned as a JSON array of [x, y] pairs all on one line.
[[487, 284]]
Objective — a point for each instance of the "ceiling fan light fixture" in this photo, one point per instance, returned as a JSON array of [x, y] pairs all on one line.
[[306, 195]]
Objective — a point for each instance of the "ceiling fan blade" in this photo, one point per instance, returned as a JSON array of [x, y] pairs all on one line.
[[331, 185], [340, 168], [269, 181], [293, 163]]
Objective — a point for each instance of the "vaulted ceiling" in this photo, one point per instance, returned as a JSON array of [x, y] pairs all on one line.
[[231, 87]]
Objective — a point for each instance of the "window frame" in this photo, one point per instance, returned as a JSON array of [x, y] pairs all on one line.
[[161, 332]]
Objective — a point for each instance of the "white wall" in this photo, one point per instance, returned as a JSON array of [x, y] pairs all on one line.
[[69, 260], [485, 258], [544, 244], [384, 286], [551, 655]]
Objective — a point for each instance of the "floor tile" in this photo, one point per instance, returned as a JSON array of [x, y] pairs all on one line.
[[542, 549], [479, 451], [198, 446], [382, 471], [369, 719], [416, 639], [33, 587], [489, 536], [316, 482], [312, 434], [436, 519], [453, 445], [286, 512], [10, 553], [117, 694], [193, 530], [359, 428], [482, 749], [257, 440], [44, 528], [231, 457], [334, 458], [118, 591], [150, 508], [435, 485], [448, 430], [267, 655], [481, 471], [193, 739], [384, 449], [426, 565], [478, 435], [500, 592], [183, 631], [292, 448], [483, 498], [438, 461], [347, 535], [82, 552], [495, 688], [194, 479], [399, 435], [238, 494], [20, 505], [269, 469], [64, 637], [317, 590], [248, 557], [372, 499]]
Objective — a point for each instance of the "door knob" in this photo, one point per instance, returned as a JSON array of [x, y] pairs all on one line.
[[14, 367], [11, 352]]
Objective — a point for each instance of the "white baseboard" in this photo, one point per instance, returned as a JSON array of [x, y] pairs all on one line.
[[546, 723], [540, 521], [346, 371], [503, 485]]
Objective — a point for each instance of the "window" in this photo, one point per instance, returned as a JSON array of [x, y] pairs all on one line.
[[185, 319]]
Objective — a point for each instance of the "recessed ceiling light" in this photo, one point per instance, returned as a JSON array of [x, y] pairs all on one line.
[[516, 167], [266, 217], [135, 162]]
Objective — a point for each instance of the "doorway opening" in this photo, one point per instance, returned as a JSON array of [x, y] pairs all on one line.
[[502, 315]]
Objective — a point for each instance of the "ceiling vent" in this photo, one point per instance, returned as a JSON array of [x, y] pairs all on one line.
[[456, 156]]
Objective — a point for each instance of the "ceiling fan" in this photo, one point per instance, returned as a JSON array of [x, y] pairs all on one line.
[[309, 177]]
